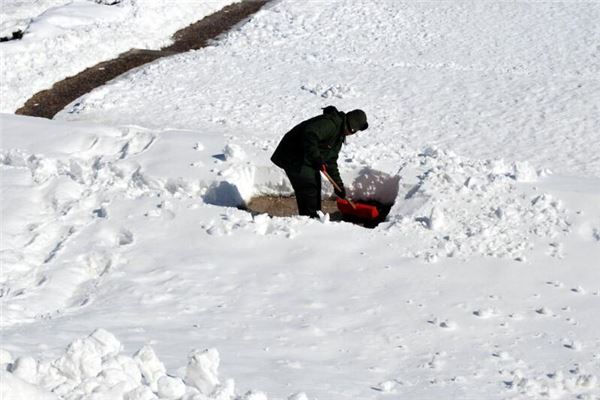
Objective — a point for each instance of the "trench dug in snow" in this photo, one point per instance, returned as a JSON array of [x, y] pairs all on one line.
[[285, 206], [267, 191]]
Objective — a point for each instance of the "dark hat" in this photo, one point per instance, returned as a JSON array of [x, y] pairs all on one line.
[[357, 120]]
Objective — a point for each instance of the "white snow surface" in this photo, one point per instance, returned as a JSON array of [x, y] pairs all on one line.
[[517, 80], [482, 283], [62, 38]]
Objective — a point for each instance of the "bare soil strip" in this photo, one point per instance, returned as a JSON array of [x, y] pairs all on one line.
[[48, 103], [286, 207]]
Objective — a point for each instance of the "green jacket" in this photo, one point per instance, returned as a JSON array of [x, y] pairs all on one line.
[[313, 142]]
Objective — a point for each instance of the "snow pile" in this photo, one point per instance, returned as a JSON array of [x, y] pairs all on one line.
[[94, 368], [459, 207], [69, 36]]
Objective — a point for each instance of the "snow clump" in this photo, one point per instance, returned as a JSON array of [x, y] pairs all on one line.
[[94, 368]]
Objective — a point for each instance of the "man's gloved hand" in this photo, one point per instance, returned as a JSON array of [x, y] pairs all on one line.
[[320, 165], [340, 193]]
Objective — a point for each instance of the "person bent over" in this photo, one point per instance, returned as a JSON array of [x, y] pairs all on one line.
[[313, 146]]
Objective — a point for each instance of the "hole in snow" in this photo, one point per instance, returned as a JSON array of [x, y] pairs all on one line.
[[285, 206]]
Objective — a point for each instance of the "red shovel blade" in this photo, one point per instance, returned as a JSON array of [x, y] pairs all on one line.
[[360, 210]]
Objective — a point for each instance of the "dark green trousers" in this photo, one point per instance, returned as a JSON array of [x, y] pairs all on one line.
[[307, 187]]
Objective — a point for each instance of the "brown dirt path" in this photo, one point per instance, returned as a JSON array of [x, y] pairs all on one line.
[[48, 103]]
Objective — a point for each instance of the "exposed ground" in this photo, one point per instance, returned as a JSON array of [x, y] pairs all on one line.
[[198, 35], [286, 207]]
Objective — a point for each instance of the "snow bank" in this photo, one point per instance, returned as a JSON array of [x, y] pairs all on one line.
[[456, 206], [94, 368], [69, 36], [460, 207]]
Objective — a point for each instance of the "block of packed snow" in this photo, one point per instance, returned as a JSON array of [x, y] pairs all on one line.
[[436, 219], [14, 388], [81, 360], [107, 343], [126, 365], [140, 393], [225, 391], [233, 152], [298, 396], [255, 395], [523, 172], [25, 368], [151, 367], [202, 370], [5, 357], [170, 388]]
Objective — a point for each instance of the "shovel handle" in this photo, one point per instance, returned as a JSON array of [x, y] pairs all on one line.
[[337, 188]]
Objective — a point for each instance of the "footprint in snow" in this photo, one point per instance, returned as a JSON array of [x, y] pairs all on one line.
[[555, 250], [124, 237], [436, 362], [556, 284], [578, 290], [502, 355], [572, 344], [444, 324], [572, 321], [199, 146], [545, 311], [485, 313], [386, 386]]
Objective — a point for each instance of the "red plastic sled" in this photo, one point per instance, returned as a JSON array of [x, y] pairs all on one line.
[[360, 210]]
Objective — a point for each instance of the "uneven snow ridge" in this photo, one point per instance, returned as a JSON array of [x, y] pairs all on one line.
[[461, 207], [95, 368]]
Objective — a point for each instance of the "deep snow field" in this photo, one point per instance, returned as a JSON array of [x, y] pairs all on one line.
[[129, 273]]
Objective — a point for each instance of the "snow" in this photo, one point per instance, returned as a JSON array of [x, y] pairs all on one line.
[[16, 15], [120, 218], [512, 80], [67, 37], [94, 368]]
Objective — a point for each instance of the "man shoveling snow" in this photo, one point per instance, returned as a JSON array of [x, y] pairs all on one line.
[[312, 147]]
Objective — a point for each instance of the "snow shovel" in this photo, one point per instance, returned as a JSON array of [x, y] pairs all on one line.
[[351, 209]]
